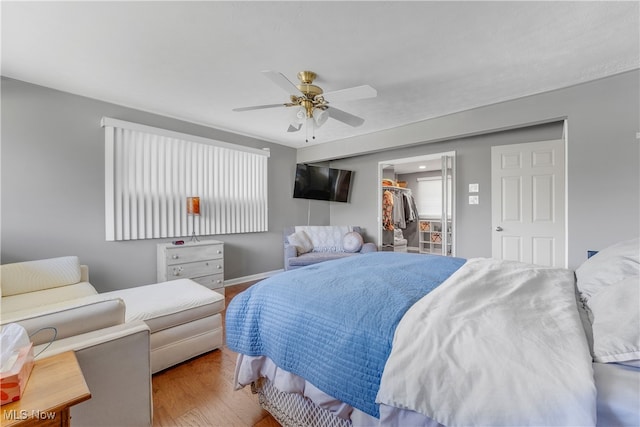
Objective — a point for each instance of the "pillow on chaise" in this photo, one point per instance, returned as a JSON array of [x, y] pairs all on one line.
[[301, 241], [352, 242]]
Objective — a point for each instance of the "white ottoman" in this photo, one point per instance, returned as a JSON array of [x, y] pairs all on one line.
[[183, 316]]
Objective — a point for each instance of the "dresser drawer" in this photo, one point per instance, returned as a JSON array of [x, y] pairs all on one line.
[[179, 255], [195, 269], [190, 260], [213, 281]]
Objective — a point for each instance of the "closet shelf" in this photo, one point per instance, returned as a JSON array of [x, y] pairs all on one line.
[[393, 187], [431, 241]]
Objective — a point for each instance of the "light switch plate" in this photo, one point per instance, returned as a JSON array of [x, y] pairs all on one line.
[[474, 188], [474, 200]]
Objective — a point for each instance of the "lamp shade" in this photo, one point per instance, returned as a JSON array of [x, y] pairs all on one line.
[[297, 116], [320, 116], [193, 205]]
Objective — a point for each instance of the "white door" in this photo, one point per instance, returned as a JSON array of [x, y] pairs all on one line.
[[528, 202]]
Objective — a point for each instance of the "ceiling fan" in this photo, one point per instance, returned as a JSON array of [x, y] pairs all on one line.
[[310, 101]]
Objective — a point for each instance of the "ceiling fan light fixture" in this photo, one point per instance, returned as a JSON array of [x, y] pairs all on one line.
[[308, 104], [298, 116], [320, 116]]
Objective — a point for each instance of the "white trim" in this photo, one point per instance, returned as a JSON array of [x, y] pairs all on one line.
[[109, 122], [109, 186], [565, 138], [251, 278]]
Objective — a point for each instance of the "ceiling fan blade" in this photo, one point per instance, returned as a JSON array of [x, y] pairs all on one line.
[[259, 107], [282, 81], [293, 128], [357, 92], [345, 117]]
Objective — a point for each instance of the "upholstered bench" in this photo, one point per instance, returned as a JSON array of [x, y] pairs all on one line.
[[183, 316]]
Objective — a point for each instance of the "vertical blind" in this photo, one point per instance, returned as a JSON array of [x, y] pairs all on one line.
[[150, 172]]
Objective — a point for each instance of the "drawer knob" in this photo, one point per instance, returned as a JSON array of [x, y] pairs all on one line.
[[219, 251], [175, 256], [219, 266], [218, 281]]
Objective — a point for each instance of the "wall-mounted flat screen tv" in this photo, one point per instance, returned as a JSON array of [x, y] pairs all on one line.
[[322, 183], [340, 183]]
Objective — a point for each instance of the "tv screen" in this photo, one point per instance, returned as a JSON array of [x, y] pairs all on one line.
[[312, 182], [321, 183], [340, 182]]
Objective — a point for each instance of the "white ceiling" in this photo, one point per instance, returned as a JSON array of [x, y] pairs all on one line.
[[197, 60]]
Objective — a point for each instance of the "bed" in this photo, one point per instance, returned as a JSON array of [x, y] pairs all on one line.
[[401, 339]]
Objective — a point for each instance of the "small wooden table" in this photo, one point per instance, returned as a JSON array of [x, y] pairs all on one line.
[[56, 383]]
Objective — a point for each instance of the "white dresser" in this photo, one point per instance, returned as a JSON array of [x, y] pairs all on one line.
[[202, 262]]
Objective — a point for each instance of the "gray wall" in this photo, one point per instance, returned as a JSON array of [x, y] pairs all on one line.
[[603, 161], [473, 159], [53, 189], [52, 176]]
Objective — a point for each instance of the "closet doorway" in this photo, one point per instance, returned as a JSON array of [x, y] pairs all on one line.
[[416, 202]]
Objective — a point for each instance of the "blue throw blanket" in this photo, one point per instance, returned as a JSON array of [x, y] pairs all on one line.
[[333, 323]]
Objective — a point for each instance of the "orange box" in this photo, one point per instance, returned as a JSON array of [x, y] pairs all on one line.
[[14, 380]]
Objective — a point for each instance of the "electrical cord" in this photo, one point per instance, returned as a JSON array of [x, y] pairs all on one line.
[[55, 335]]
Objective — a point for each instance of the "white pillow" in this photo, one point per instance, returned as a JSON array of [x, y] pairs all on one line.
[[38, 275], [301, 241], [616, 322], [352, 242], [609, 266]]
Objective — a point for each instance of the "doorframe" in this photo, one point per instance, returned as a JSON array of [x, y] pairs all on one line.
[[413, 159], [565, 139]]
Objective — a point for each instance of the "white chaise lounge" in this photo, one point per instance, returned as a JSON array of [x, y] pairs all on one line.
[[183, 317]]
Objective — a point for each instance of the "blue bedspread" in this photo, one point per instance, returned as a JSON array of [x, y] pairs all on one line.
[[333, 323]]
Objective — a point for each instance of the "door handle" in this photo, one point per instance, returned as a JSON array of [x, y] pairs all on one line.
[[498, 228]]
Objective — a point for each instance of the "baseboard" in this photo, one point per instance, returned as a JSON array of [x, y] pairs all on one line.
[[251, 278]]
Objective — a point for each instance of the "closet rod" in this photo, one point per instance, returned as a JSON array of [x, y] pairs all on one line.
[[389, 187]]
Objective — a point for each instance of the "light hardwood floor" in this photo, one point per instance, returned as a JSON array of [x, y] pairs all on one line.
[[200, 392]]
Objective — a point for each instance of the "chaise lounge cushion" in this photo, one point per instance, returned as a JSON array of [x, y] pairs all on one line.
[[31, 276], [37, 299], [71, 318], [325, 238], [168, 304]]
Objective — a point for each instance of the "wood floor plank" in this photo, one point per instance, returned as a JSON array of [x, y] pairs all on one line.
[[200, 392]]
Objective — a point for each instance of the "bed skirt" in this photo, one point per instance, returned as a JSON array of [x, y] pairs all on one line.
[[292, 409]]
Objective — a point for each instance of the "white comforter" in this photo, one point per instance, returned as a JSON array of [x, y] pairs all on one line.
[[499, 343]]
